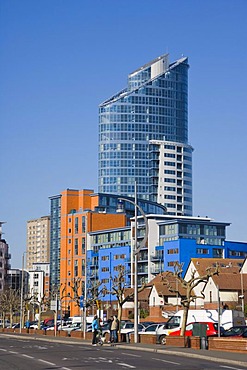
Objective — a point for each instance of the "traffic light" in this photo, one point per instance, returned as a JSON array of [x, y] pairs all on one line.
[[98, 304]]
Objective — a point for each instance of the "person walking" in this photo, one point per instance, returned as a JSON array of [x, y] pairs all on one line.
[[95, 329], [109, 327], [114, 329]]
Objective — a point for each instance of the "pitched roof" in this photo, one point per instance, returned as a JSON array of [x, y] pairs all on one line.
[[161, 287], [142, 296], [229, 276]]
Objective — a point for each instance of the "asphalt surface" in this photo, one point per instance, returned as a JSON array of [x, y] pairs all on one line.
[[222, 357]]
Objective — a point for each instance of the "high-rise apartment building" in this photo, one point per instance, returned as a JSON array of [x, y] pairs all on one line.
[[153, 106], [171, 176], [38, 241], [55, 240], [4, 260], [70, 202]]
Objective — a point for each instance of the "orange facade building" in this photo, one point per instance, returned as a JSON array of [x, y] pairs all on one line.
[[79, 215]]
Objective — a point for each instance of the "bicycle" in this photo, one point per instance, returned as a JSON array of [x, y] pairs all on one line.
[[100, 339]]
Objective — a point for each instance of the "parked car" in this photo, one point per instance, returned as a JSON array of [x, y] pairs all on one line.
[[128, 328], [211, 331], [151, 329], [16, 325], [6, 323], [33, 324], [70, 327], [236, 331]]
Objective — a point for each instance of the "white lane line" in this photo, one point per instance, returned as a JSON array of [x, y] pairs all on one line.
[[168, 362], [2, 349], [126, 365], [15, 353], [130, 354], [23, 354], [46, 362], [65, 368], [229, 367]]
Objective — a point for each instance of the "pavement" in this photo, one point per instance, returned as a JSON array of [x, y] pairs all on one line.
[[223, 357]]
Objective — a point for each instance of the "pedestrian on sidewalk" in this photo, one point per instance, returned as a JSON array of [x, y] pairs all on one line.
[[95, 329], [114, 329], [109, 327]]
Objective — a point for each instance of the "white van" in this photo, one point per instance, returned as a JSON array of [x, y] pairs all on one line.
[[6, 323], [228, 318]]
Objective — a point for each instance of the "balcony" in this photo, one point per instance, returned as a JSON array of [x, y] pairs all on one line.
[[142, 270], [155, 270], [94, 277], [157, 257], [142, 258]]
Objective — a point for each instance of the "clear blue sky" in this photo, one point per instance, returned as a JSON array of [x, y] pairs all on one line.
[[60, 59]]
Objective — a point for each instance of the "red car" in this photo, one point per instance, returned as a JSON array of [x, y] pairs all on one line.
[[212, 329]]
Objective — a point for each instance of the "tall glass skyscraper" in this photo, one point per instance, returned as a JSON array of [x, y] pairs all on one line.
[[154, 106]]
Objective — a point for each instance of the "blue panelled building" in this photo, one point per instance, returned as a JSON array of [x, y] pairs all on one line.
[[170, 239]]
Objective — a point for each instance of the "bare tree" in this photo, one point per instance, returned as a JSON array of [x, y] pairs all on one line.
[[77, 287], [118, 289], [41, 302], [9, 303], [189, 287]]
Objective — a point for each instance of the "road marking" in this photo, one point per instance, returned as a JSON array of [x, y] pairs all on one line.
[[169, 362], [130, 354], [65, 368], [46, 362], [2, 349], [126, 365], [15, 353], [229, 367], [23, 354]]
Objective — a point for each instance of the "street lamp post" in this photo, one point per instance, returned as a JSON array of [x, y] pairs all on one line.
[[22, 286], [84, 324], [22, 289], [136, 250], [242, 290]]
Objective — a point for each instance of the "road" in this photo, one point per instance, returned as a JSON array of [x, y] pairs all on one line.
[[34, 354]]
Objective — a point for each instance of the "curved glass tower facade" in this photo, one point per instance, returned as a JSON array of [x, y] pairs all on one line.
[[154, 106]]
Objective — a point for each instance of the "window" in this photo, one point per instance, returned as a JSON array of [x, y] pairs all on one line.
[[170, 180], [172, 251], [169, 155], [83, 224], [76, 225], [169, 164], [171, 263], [76, 246], [83, 246], [202, 251], [169, 188], [169, 172]]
